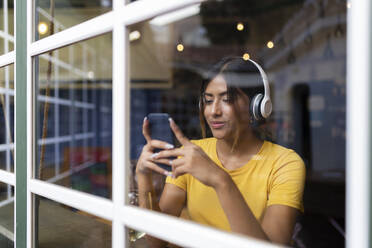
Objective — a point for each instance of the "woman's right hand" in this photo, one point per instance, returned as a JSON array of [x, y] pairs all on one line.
[[146, 164]]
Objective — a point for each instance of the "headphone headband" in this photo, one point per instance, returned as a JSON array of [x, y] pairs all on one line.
[[265, 105], [264, 79]]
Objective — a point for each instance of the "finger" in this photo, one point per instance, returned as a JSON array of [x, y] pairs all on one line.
[[145, 129], [179, 171], [154, 167], [163, 161], [160, 144], [178, 133], [170, 153], [177, 162]]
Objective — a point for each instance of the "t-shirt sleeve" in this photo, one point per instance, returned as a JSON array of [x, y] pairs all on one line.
[[287, 184], [179, 181]]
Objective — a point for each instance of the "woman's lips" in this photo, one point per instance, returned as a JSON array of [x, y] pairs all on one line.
[[217, 124]]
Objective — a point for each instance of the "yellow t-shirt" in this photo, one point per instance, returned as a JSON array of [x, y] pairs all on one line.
[[275, 175]]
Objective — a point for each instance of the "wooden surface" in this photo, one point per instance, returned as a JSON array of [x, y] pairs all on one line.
[[60, 226], [7, 221]]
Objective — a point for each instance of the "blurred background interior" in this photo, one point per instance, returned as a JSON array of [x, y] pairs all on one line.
[[301, 44]]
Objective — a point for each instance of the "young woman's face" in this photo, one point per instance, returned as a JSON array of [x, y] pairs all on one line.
[[219, 112]]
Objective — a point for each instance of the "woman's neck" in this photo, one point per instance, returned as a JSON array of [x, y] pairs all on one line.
[[247, 146]]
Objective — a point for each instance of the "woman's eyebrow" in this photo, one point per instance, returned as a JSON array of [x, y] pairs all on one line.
[[220, 94]]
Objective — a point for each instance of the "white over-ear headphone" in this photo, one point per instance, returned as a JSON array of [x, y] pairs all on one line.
[[261, 105]]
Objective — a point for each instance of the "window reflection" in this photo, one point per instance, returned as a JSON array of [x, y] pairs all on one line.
[[74, 116], [6, 26], [54, 16], [6, 215], [302, 48], [7, 118], [61, 226]]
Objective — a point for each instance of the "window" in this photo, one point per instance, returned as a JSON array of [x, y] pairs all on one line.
[[77, 78]]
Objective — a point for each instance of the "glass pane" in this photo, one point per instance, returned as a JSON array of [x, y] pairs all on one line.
[[6, 26], [137, 239], [7, 118], [195, 64], [74, 116], [6, 215], [58, 225], [54, 16]]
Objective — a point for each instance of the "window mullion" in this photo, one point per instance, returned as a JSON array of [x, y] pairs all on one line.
[[20, 27], [120, 124]]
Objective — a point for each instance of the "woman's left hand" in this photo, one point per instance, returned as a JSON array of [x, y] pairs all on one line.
[[193, 160]]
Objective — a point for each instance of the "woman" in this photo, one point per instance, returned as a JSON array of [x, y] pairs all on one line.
[[233, 181]]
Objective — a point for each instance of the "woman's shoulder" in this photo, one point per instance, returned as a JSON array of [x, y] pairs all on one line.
[[281, 153], [284, 162]]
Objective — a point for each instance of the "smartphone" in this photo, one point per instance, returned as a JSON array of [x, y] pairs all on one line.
[[160, 130]]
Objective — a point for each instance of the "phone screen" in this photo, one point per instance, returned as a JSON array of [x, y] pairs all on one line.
[[160, 130]]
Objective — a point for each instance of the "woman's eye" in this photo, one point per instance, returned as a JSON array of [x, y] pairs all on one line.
[[208, 101], [226, 100]]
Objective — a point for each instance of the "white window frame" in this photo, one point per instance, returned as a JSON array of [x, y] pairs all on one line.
[[170, 228], [358, 124]]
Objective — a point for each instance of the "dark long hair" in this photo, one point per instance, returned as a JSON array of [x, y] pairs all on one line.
[[236, 71]]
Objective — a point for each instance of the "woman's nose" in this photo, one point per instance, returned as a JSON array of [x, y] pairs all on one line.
[[216, 108]]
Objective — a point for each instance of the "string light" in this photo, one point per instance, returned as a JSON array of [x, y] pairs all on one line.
[[135, 35], [246, 56], [90, 74], [270, 44], [180, 47], [239, 26], [42, 28]]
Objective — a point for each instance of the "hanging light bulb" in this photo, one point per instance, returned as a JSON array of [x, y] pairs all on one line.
[[270, 44], [246, 56], [134, 35], [240, 26], [42, 28], [180, 47]]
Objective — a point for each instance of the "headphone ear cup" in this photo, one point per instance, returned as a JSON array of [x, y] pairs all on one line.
[[255, 107]]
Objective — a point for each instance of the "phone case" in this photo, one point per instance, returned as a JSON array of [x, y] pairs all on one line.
[[160, 130]]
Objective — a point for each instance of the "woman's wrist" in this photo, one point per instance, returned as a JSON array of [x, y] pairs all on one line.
[[223, 181], [141, 170], [143, 176]]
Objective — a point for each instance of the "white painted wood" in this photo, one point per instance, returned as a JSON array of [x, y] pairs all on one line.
[[129, 14], [4, 147], [147, 9], [7, 177], [184, 233], [7, 59], [120, 125], [86, 202], [358, 135], [6, 202], [30, 125], [60, 139], [93, 27]]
